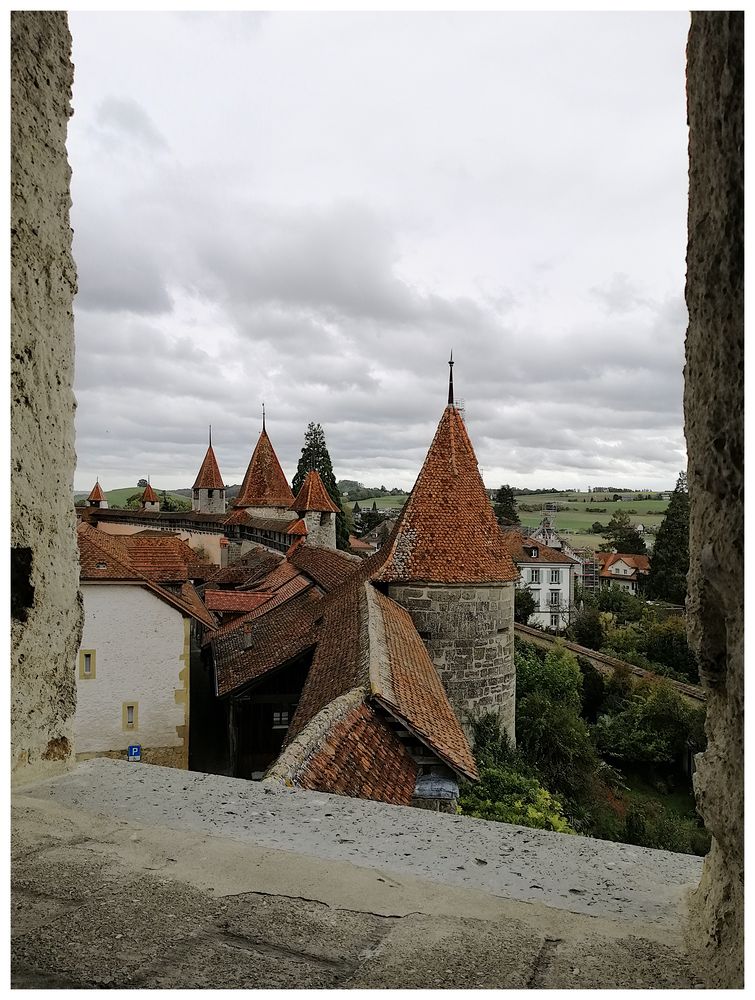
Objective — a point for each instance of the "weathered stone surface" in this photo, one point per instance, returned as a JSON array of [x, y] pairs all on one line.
[[46, 623], [469, 634], [714, 425]]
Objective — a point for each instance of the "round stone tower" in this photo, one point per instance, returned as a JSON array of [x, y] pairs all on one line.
[[448, 565]]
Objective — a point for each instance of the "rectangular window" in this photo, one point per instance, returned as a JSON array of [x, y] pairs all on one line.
[[534, 576], [554, 621], [87, 664], [555, 576], [536, 595], [555, 598], [130, 715], [280, 720]]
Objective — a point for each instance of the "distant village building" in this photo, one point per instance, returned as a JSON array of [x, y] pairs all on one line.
[[134, 660], [549, 575], [622, 570]]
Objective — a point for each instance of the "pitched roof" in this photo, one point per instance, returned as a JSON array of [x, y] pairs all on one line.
[[313, 495], [149, 495], [104, 557], [640, 564], [358, 756], [163, 557], [264, 484], [447, 532], [519, 546], [96, 493], [297, 528], [233, 600], [208, 477], [250, 569], [329, 568]]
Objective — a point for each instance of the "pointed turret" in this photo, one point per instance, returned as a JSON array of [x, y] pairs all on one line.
[[97, 498], [208, 491], [150, 499], [448, 564], [264, 485], [318, 510]]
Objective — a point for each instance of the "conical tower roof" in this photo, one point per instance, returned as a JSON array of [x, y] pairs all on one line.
[[96, 494], [208, 477], [447, 531], [264, 484], [149, 495], [313, 495]]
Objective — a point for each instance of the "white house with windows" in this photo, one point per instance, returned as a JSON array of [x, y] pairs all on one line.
[[132, 678], [623, 570], [549, 575]]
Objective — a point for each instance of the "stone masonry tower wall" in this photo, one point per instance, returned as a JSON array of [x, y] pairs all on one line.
[[203, 503], [469, 633], [46, 605], [321, 528], [714, 425]]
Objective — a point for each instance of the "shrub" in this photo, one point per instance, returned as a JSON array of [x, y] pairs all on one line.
[[587, 628], [507, 796], [557, 676]]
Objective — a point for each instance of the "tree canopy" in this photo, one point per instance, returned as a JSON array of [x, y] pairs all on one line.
[[315, 455], [623, 536], [670, 560], [504, 506]]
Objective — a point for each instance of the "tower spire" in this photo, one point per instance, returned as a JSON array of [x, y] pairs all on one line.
[[451, 380], [263, 418]]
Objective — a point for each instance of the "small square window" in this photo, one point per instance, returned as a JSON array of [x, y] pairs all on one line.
[[280, 720]]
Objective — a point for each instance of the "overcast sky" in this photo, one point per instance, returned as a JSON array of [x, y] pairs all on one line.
[[313, 209]]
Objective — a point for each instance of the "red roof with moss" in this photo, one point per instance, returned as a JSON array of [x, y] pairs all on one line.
[[313, 495], [447, 531], [149, 495], [264, 484], [208, 477], [96, 493]]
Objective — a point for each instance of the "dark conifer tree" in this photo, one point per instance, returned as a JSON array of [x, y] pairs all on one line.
[[623, 536], [670, 560], [314, 455], [504, 506]]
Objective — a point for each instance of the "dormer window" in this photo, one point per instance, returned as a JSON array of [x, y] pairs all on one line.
[[534, 552], [101, 565]]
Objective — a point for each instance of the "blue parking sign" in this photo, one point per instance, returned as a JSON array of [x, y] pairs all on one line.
[[135, 752]]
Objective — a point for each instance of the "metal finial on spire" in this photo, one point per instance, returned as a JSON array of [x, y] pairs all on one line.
[[210, 435], [263, 418], [451, 380]]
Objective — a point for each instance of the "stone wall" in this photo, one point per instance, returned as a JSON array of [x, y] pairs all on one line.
[[713, 407], [321, 529], [46, 608], [469, 633], [207, 504]]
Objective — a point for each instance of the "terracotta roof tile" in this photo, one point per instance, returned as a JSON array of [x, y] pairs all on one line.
[[97, 493], [208, 477], [447, 532], [313, 495], [233, 600], [164, 557], [519, 546], [251, 568], [149, 495], [297, 528], [264, 484], [359, 756], [329, 568], [640, 564]]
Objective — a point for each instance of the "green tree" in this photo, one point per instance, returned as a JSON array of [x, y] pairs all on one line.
[[587, 628], [666, 644], [504, 506], [315, 455], [670, 560], [623, 536], [524, 605]]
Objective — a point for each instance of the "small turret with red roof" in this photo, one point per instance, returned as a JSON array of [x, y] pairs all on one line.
[[317, 510], [97, 498], [208, 491], [150, 499]]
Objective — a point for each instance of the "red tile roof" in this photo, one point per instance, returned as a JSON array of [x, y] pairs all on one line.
[[233, 600], [638, 563], [297, 528], [313, 495], [447, 532], [250, 569], [519, 546], [264, 484], [329, 568], [164, 557], [97, 493], [149, 495], [104, 557], [359, 756], [208, 477], [359, 545]]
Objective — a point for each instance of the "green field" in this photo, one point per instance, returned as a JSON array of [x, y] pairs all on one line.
[[396, 501], [120, 496]]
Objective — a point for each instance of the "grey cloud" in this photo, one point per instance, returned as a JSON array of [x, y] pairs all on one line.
[[123, 123], [620, 295]]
